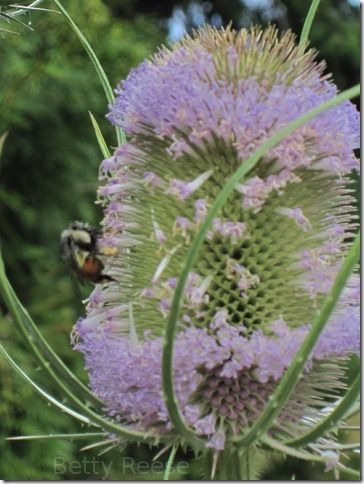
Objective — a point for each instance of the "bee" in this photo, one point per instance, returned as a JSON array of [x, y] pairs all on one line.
[[79, 246]]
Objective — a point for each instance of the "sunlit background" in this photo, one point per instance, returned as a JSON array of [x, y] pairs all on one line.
[[49, 173]]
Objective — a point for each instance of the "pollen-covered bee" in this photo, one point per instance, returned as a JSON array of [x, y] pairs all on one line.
[[79, 246]]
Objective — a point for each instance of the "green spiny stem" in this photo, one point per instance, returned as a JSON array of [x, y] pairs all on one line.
[[293, 373], [96, 63], [171, 327], [49, 360], [331, 420], [89, 417], [307, 25], [86, 435]]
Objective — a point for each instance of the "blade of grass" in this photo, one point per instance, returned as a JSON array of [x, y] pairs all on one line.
[[307, 25], [100, 139], [171, 327], [49, 398], [96, 63], [331, 420]]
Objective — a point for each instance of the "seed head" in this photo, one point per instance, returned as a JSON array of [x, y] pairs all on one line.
[[192, 115]]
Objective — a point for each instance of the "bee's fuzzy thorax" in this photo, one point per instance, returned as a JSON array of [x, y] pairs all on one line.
[[80, 247]]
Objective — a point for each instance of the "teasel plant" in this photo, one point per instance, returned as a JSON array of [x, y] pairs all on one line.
[[233, 306]]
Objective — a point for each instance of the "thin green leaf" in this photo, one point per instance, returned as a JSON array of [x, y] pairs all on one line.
[[39, 346], [96, 63], [331, 420], [100, 139], [86, 435], [307, 25], [171, 327], [170, 461], [40, 390]]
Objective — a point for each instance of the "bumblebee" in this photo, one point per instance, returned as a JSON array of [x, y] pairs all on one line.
[[79, 246]]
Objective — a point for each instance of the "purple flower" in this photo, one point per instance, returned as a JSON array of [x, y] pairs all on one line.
[[193, 114]]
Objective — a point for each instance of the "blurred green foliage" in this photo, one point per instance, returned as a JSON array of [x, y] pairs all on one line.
[[49, 173]]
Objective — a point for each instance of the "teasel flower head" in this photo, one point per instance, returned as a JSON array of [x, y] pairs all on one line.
[[193, 114]]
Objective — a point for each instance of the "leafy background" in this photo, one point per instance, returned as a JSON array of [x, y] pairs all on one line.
[[48, 178]]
